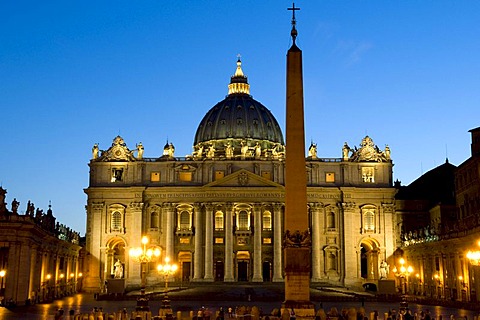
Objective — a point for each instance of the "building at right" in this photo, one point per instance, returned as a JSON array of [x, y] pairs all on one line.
[[438, 221]]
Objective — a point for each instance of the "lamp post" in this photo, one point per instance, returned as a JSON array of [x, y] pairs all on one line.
[[144, 255], [402, 273], [166, 270], [474, 257], [46, 287], [79, 282], [2, 289]]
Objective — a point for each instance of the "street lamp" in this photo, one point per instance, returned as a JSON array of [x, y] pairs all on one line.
[[144, 255], [402, 273], [474, 256], [166, 270]]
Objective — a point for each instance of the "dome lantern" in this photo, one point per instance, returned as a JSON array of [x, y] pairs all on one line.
[[238, 82]]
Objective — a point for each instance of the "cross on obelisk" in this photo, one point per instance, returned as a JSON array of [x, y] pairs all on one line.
[[297, 239], [294, 22]]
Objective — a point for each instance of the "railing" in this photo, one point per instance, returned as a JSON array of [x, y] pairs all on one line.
[[192, 159]]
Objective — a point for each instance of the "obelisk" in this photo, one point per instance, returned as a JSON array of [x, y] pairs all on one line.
[[297, 239]]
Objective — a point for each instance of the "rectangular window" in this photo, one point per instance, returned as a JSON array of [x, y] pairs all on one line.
[[219, 174], [184, 240], [218, 220], [155, 176], [329, 177], [219, 240], [267, 175], [241, 241], [267, 240], [185, 176], [368, 174], [117, 174]]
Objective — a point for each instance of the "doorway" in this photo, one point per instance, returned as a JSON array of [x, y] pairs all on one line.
[[266, 271], [219, 270]]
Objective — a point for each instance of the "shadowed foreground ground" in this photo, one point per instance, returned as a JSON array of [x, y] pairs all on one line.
[[265, 296]]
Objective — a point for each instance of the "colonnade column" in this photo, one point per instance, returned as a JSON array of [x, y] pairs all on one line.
[[169, 243], [209, 241], [277, 243], [257, 243], [33, 282], [197, 258], [229, 244], [317, 267]]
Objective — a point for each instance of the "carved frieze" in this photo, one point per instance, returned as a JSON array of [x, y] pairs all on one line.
[[368, 152], [138, 206], [348, 206], [243, 179], [297, 239], [98, 205], [117, 152], [388, 207]]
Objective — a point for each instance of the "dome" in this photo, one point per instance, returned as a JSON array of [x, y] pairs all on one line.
[[238, 121]]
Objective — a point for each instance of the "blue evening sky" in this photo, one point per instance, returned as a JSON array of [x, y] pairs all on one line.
[[75, 73]]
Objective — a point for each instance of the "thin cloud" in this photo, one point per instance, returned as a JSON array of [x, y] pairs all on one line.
[[352, 51]]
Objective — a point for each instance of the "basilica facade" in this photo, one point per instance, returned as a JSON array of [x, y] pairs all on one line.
[[219, 212]]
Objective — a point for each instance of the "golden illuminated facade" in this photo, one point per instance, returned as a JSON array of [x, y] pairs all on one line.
[[439, 220], [40, 259], [219, 213]]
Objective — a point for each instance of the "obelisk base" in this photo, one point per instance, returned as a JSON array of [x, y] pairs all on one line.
[[297, 284], [298, 310]]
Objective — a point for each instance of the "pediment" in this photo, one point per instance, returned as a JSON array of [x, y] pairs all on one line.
[[243, 178]]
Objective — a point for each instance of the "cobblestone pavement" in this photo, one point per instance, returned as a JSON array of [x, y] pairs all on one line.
[[266, 297]]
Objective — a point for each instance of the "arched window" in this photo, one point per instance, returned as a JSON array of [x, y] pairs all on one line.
[[331, 261], [116, 222], [243, 220], [154, 220], [369, 221], [331, 220], [184, 220], [267, 220], [218, 220]]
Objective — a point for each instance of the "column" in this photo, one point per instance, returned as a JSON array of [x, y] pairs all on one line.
[[209, 241], [228, 277], [350, 261], [134, 219], [257, 243], [169, 231], [198, 256], [277, 243], [317, 267]]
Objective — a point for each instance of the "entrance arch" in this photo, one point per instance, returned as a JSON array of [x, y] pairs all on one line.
[[115, 251], [243, 266], [369, 264]]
